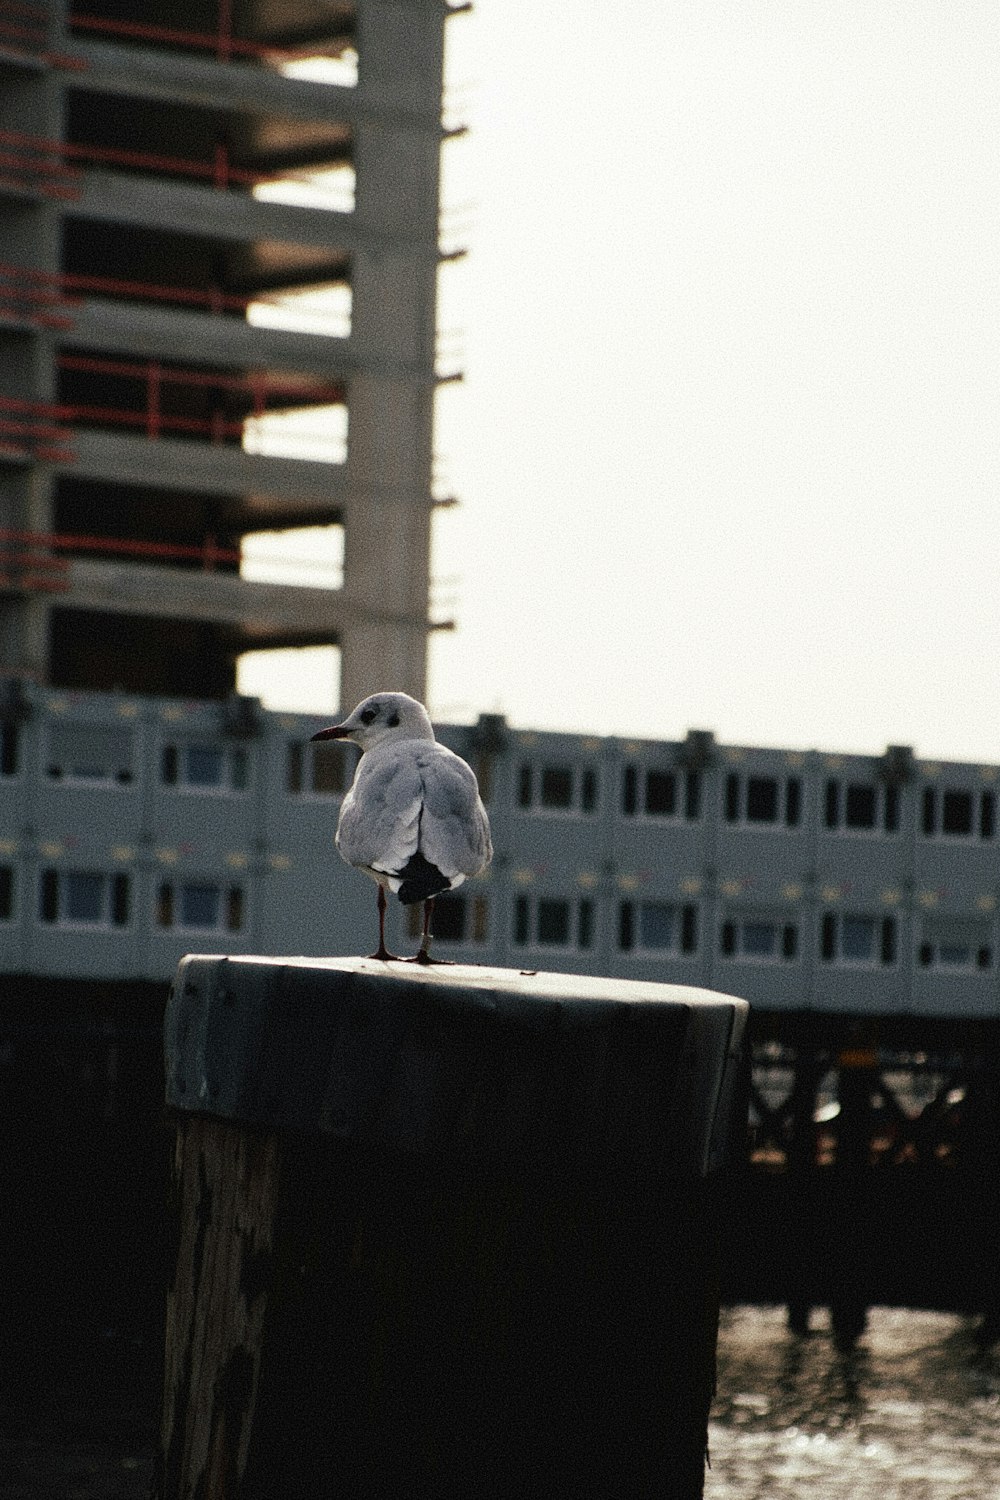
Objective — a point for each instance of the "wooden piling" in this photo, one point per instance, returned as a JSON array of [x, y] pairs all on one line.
[[446, 1232]]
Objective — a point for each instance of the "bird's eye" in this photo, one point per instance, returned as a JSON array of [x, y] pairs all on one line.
[[368, 714]]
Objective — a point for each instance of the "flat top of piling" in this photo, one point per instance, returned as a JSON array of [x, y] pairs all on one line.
[[484, 980], [457, 1063]]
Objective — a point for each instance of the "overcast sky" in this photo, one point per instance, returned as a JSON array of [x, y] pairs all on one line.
[[727, 443]]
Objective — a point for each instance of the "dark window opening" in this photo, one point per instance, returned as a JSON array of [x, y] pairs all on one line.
[[630, 783], [860, 809], [956, 813], [6, 893], [524, 786], [556, 787], [888, 940], [585, 924], [762, 799], [828, 936], [689, 929], [119, 900], [48, 905], [626, 926], [588, 790], [728, 939], [929, 815], [9, 739], [732, 798], [987, 816], [234, 908], [789, 941], [793, 802], [521, 927], [449, 919], [661, 793], [165, 905], [553, 922], [832, 805]]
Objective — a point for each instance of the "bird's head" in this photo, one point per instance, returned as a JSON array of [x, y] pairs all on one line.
[[383, 716]]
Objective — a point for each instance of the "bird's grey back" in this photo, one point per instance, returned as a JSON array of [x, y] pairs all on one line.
[[412, 794]]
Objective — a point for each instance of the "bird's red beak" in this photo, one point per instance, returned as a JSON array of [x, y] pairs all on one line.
[[335, 732]]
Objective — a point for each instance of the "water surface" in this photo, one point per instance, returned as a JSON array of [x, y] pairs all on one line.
[[913, 1413]]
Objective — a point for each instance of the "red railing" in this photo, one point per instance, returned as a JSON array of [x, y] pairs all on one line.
[[208, 553], [35, 156], [24, 27], [264, 393], [40, 164], [50, 299], [36, 297], [29, 567], [145, 291], [221, 42], [38, 429], [29, 560], [24, 32], [28, 431], [31, 164]]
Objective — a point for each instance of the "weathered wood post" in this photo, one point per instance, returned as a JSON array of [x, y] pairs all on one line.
[[442, 1232]]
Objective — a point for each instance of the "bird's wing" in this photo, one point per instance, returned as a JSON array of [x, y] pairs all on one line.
[[454, 828], [380, 816]]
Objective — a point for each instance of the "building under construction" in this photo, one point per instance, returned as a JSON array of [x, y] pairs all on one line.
[[219, 250], [174, 194]]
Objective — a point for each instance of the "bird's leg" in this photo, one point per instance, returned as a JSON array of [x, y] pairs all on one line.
[[383, 951], [423, 956]]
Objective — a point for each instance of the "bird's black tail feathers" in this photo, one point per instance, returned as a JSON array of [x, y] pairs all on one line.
[[420, 880]]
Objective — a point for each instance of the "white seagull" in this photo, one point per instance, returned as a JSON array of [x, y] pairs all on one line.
[[413, 819]]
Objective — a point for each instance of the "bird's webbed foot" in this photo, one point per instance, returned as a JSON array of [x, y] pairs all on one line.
[[423, 957]]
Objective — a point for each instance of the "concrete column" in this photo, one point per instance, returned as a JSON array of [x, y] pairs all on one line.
[[32, 103], [394, 287]]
